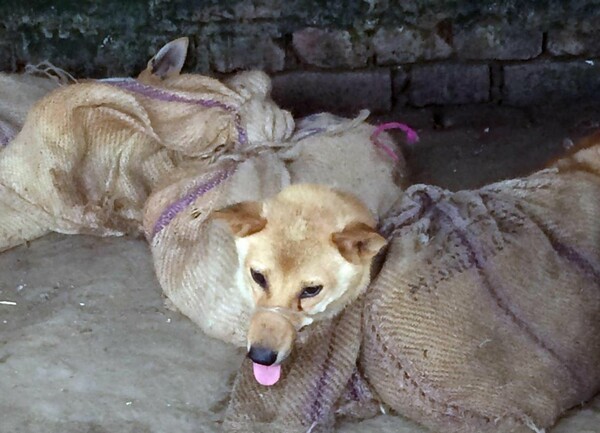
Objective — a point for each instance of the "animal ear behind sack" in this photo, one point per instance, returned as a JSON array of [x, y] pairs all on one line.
[[170, 59]]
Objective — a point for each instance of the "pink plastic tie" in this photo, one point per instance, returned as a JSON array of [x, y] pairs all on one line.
[[411, 136]]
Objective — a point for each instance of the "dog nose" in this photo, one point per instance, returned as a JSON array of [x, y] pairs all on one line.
[[262, 356]]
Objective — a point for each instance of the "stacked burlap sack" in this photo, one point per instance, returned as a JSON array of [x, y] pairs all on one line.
[[483, 318], [18, 93], [195, 258], [89, 154]]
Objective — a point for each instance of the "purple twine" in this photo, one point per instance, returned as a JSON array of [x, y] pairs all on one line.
[[163, 95], [7, 133], [411, 137], [171, 211]]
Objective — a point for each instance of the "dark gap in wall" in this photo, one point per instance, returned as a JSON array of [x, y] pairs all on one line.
[[445, 31], [544, 43], [496, 82]]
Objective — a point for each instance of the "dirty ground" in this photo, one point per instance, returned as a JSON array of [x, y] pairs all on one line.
[[88, 346]]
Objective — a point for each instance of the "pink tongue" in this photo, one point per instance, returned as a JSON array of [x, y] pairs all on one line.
[[266, 375]]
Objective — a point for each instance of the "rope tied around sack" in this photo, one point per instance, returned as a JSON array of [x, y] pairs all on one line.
[[50, 71], [411, 136], [152, 92], [175, 208], [236, 153], [255, 149]]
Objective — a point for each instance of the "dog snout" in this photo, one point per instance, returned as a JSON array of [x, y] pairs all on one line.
[[262, 355], [270, 337]]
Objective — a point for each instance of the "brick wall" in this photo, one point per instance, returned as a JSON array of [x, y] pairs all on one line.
[[332, 54]]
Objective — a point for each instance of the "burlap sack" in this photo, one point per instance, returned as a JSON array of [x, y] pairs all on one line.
[[483, 318], [307, 399], [328, 152], [18, 93], [195, 258], [89, 154]]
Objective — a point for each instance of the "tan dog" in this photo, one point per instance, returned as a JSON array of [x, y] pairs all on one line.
[[303, 256]]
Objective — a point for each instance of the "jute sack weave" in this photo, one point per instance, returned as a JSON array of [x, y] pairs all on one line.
[[18, 93], [89, 154], [195, 258], [483, 318], [341, 153]]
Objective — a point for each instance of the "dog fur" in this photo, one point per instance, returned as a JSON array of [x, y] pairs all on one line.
[[304, 255]]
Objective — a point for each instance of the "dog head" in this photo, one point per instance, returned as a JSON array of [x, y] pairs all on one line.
[[304, 255]]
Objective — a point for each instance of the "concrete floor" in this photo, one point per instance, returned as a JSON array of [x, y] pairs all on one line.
[[89, 346]]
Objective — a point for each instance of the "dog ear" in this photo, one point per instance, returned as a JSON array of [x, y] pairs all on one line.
[[170, 59], [243, 218], [358, 243]]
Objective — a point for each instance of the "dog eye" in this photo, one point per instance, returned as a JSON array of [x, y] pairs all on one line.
[[259, 278], [311, 291]]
